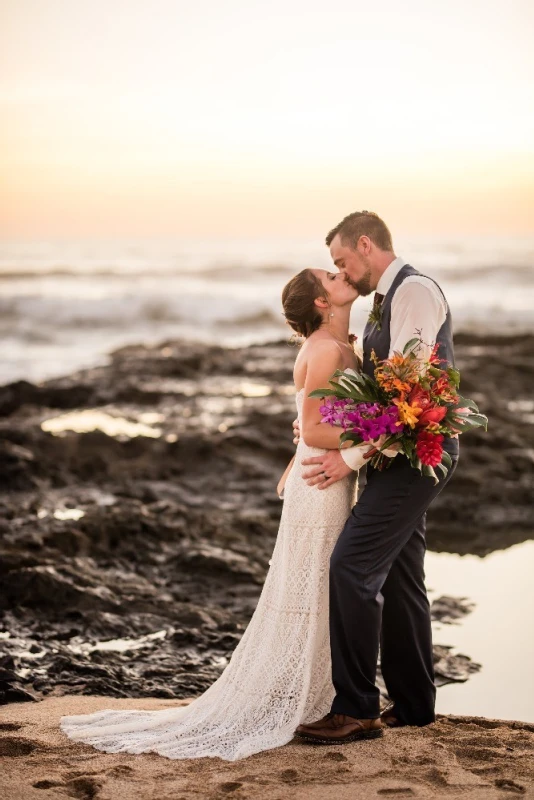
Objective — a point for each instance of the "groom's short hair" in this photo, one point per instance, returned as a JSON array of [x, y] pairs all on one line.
[[362, 223]]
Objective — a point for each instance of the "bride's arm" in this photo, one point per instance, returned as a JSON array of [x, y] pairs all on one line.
[[323, 361]]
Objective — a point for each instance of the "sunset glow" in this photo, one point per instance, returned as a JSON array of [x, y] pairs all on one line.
[[173, 118]]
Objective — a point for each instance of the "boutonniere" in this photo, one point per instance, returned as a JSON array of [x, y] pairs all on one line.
[[375, 316]]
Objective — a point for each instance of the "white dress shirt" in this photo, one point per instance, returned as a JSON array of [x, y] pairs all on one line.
[[418, 309], [417, 305]]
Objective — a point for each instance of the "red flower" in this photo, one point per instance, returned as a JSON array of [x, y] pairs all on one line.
[[429, 448], [419, 397], [432, 414], [434, 358]]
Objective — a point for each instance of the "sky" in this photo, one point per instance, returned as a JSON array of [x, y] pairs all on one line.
[[247, 117]]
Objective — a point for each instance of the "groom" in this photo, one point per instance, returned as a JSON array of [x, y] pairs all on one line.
[[377, 590]]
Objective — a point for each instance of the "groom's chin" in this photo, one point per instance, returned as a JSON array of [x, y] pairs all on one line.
[[362, 290]]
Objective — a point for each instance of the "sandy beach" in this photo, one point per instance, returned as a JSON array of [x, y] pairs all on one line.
[[472, 758]]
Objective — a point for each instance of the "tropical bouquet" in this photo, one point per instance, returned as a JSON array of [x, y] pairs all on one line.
[[411, 406]]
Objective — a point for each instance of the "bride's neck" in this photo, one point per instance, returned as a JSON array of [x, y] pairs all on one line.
[[338, 324]]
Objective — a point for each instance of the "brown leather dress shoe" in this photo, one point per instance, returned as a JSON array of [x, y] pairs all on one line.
[[390, 719], [339, 729], [314, 725]]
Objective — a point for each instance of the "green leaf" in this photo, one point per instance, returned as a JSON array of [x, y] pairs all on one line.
[[351, 437], [320, 393], [391, 440], [477, 421], [428, 472], [343, 376], [465, 402], [443, 469], [446, 460], [408, 447], [340, 392], [462, 427], [410, 344], [454, 375]]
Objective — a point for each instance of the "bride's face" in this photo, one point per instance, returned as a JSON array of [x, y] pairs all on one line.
[[337, 288]]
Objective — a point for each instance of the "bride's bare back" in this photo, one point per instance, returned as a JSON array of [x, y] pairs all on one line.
[[312, 354], [321, 355]]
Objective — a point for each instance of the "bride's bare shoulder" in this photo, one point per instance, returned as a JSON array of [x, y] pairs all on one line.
[[324, 352], [325, 347], [317, 345], [315, 352], [323, 343]]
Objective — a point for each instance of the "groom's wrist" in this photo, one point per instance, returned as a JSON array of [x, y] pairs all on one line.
[[353, 458]]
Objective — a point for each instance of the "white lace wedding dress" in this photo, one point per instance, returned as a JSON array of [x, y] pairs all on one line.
[[279, 675]]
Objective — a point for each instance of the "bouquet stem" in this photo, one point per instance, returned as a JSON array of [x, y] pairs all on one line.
[[380, 461]]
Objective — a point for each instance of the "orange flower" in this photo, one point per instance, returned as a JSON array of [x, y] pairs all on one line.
[[392, 382], [433, 427], [433, 358], [442, 388], [408, 414]]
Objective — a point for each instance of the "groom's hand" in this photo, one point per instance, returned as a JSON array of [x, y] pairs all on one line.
[[296, 431], [325, 470]]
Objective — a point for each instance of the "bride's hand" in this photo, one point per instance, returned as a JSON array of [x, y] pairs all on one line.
[[283, 479], [296, 431], [325, 470]]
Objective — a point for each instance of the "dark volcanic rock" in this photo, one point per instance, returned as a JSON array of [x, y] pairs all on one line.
[[138, 510], [43, 587], [450, 609], [450, 667]]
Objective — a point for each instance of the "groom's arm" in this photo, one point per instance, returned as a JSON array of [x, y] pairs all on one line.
[[354, 456], [418, 308]]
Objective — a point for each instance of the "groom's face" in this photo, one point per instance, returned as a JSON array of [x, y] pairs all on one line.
[[355, 265]]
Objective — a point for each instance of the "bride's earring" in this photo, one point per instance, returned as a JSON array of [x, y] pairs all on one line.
[[332, 314]]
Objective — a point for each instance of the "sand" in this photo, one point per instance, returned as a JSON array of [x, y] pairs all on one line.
[[456, 757]]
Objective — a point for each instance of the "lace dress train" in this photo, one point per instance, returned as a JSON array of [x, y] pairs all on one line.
[[280, 673]]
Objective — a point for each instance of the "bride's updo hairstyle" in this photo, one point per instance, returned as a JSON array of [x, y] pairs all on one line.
[[298, 299]]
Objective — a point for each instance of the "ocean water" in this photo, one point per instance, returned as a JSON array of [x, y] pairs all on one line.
[[66, 304], [496, 634]]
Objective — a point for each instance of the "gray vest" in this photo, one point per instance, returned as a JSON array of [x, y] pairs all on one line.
[[379, 340]]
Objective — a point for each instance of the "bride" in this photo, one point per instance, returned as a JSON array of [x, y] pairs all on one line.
[[279, 675]]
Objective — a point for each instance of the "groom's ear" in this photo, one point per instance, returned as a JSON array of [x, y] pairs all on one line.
[[364, 245]]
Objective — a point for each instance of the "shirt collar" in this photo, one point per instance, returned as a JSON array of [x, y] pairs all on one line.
[[388, 276]]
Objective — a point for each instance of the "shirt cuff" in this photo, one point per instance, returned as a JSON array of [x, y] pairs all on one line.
[[354, 457]]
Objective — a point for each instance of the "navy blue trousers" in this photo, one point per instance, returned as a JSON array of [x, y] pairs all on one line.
[[378, 598]]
